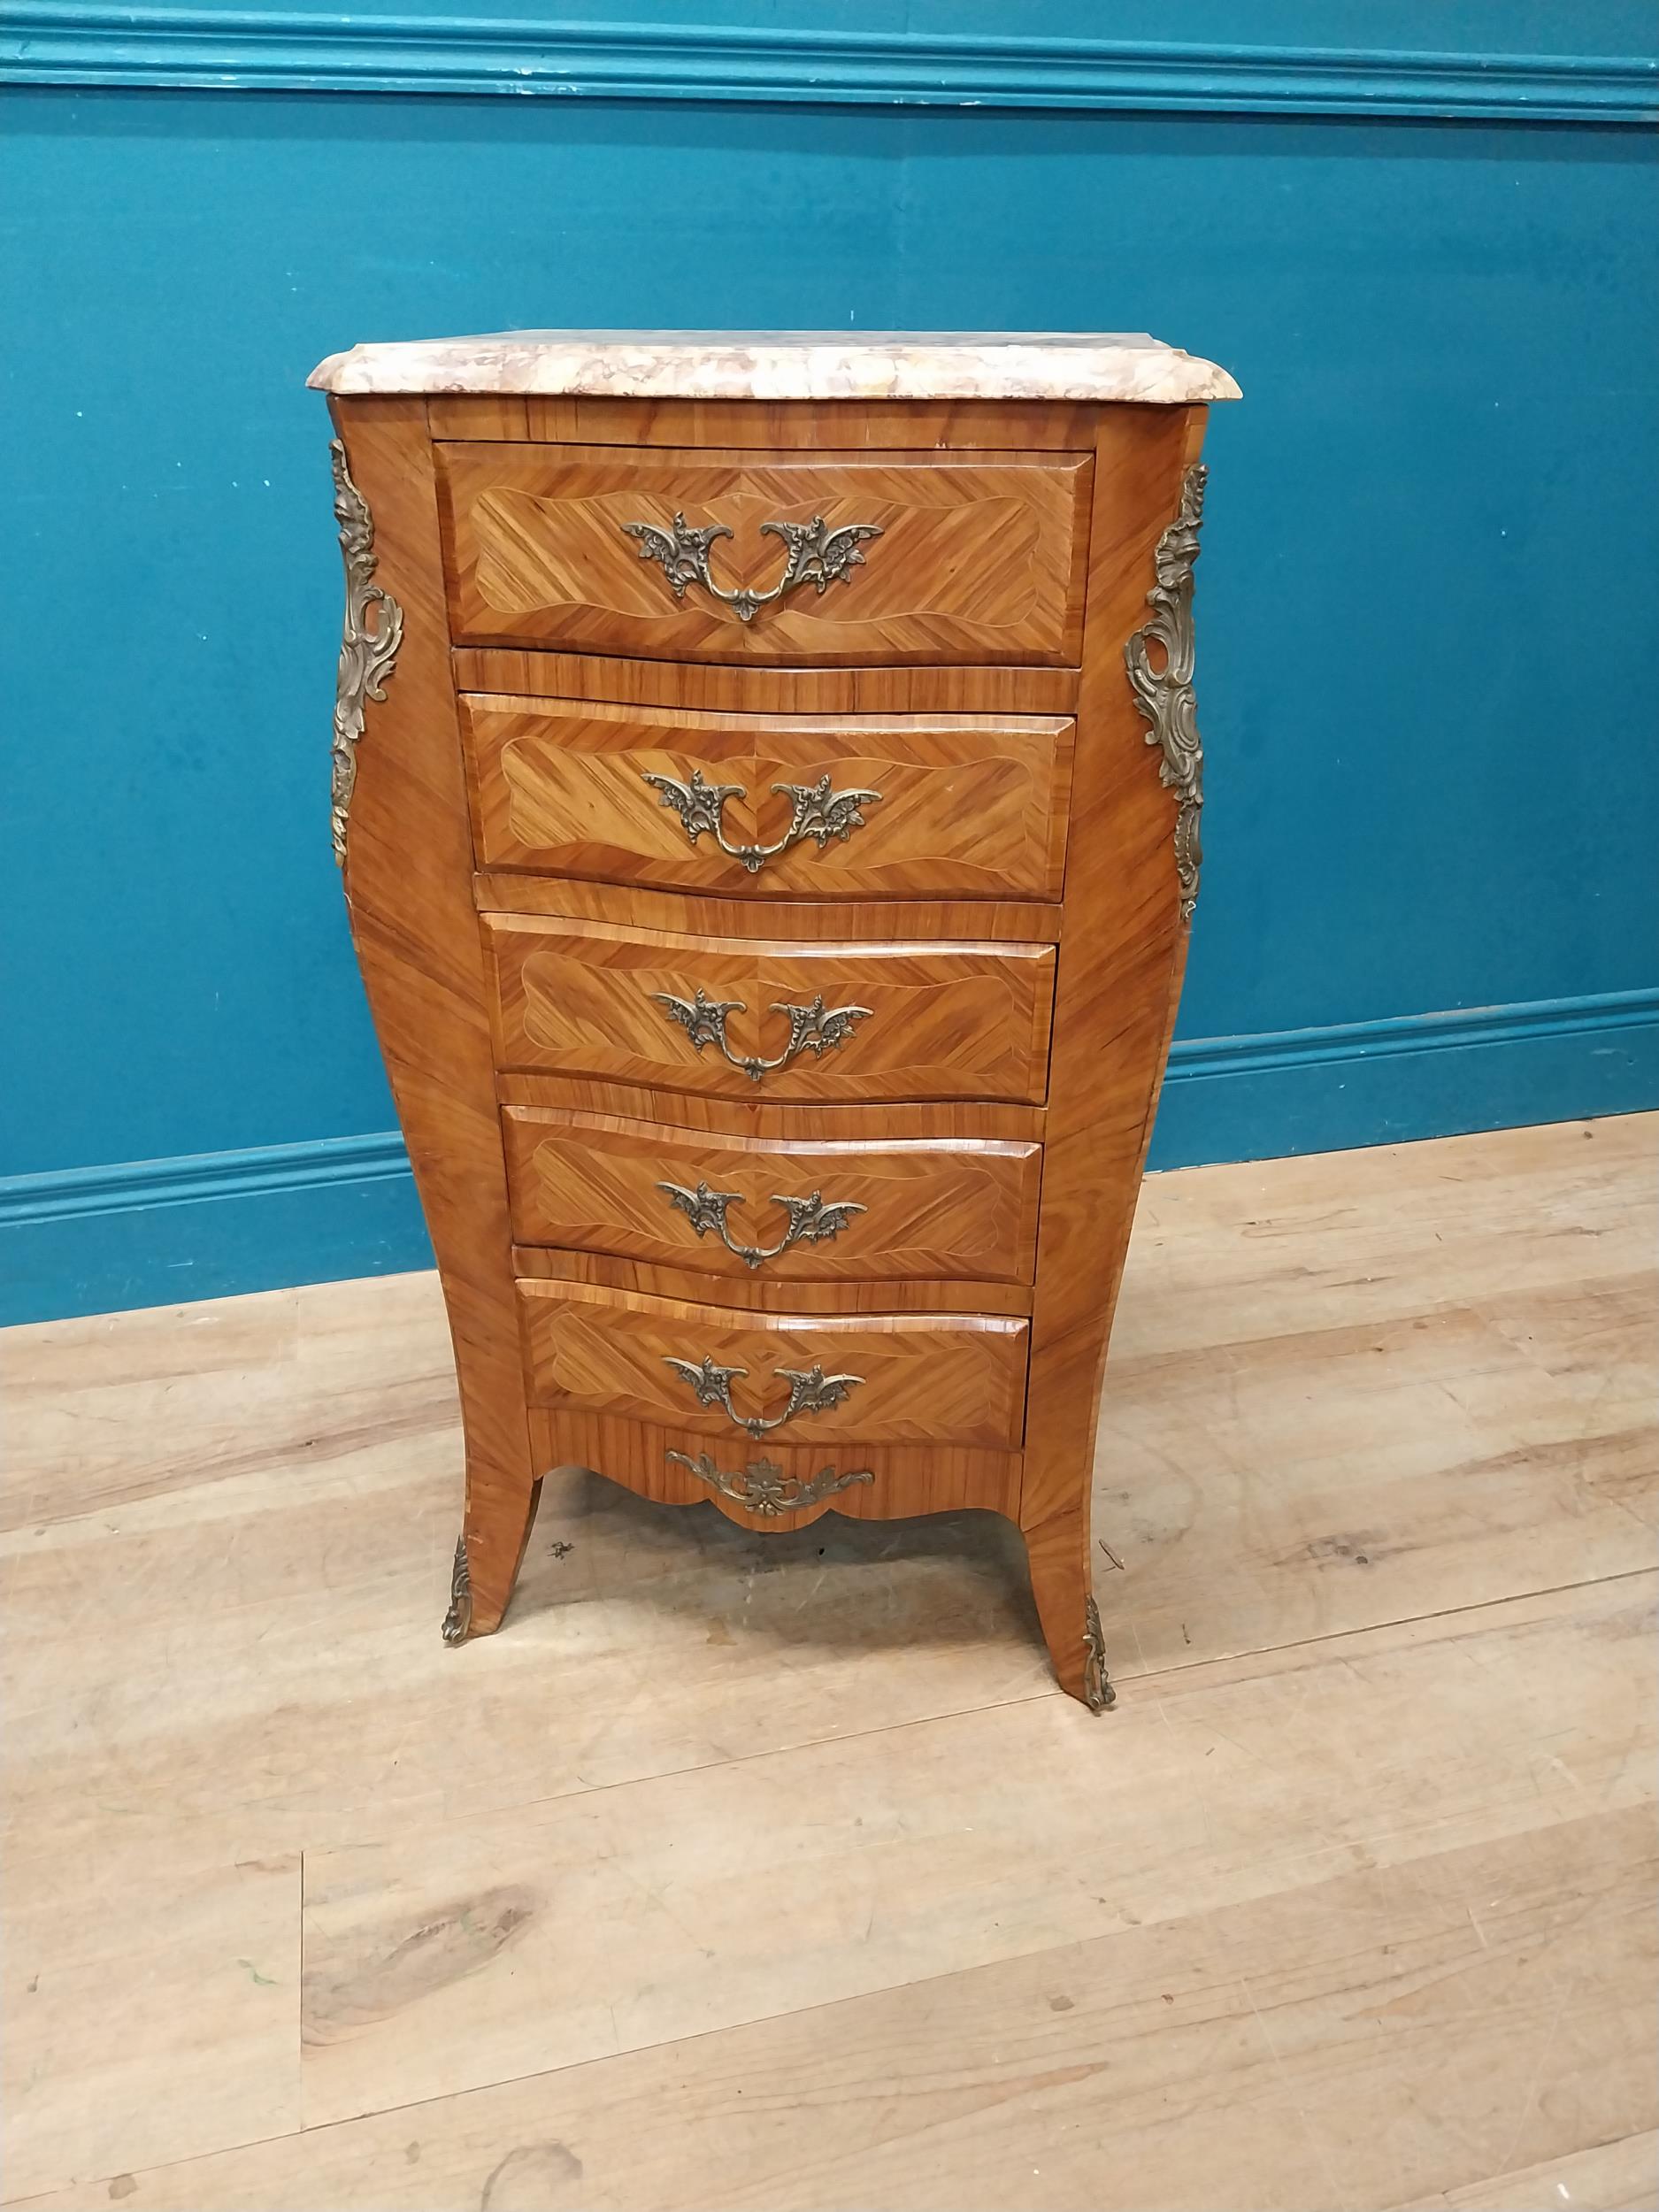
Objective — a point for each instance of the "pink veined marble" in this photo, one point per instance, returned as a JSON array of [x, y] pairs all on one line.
[[788, 365]]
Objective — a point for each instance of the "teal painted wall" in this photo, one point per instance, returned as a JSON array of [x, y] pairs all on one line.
[[1429, 632]]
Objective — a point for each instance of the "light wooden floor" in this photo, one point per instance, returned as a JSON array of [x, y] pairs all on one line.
[[774, 1872]]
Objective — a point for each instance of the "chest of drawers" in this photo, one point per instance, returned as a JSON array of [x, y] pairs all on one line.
[[767, 784]]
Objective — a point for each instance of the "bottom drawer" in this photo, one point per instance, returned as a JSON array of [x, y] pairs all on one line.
[[775, 1487], [746, 1378]]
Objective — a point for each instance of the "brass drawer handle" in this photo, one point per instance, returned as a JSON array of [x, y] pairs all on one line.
[[815, 1029], [765, 1488], [811, 1391], [817, 555], [810, 1220], [820, 813]]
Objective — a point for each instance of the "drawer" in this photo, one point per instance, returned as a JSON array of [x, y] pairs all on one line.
[[746, 1018], [678, 555], [965, 806], [812, 1209], [738, 1378], [770, 1486]]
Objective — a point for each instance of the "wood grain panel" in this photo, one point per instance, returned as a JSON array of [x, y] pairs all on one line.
[[914, 1208], [884, 921], [924, 1294], [911, 1378], [906, 1479], [941, 1020], [408, 870], [977, 560], [970, 805], [853, 425], [763, 1119], [707, 685]]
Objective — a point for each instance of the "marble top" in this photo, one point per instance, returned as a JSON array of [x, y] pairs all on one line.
[[787, 364]]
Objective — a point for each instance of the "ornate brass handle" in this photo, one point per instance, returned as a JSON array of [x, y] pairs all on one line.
[[765, 1488], [817, 555], [810, 1220], [813, 1029], [820, 813], [811, 1391]]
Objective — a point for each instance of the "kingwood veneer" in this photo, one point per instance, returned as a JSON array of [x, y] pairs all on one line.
[[771, 854]]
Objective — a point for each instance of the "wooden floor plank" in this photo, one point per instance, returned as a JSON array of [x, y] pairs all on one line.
[[1387, 2032], [455, 1955], [1370, 1386], [1618, 2177], [1393, 1230], [1271, 1504], [114, 1412], [150, 1997]]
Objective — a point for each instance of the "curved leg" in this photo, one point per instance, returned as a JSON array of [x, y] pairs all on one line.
[[1123, 945], [487, 1554], [402, 836], [1060, 1582]]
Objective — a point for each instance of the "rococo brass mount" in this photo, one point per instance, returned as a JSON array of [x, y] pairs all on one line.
[[815, 1028], [763, 1489], [817, 555], [1164, 691], [367, 654], [810, 1220], [458, 1622], [820, 813], [810, 1390]]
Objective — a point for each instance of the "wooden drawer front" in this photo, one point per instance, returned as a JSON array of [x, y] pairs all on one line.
[[807, 1208], [862, 1021], [772, 1486], [967, 560], [953, 805], [922, 1378]]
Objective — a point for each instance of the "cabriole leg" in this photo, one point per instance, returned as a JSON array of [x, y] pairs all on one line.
[[487, 1558], [1060, 1582]]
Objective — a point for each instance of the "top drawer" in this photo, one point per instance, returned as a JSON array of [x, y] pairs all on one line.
[[680, 555]]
